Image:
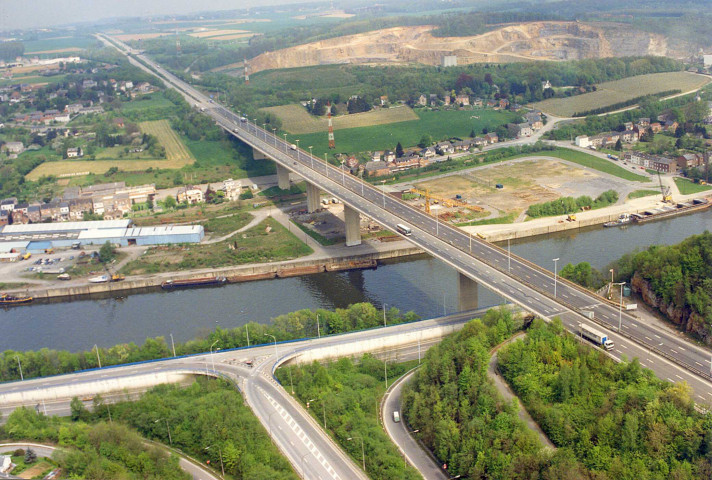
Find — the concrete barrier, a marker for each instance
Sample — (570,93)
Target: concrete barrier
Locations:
(93,387)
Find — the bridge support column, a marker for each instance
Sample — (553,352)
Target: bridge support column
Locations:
(282,177)
(313,198)
(467,292)
(353,226)
(257,155)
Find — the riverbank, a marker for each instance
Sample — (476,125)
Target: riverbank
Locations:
(338,259)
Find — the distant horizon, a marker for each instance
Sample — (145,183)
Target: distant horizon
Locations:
(30,14)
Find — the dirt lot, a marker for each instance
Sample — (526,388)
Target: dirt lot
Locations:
(525,183)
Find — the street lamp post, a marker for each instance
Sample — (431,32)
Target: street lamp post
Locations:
(326,164)
(274,136)
(384,314)
(620,306)
(248,335)
(363,455)
(318,329)
(97,355)
(297,140)
(212,358)
(383,190)
(173,345)
(275,342)
(311,156)
(222,467)
(22,377)
(385,372)
(170,439)
(343,174)
(285,142)
(555,260)
(264,127)
(509,257)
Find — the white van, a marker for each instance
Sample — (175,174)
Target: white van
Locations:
(396,416)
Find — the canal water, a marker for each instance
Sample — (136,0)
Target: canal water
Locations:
(422,284)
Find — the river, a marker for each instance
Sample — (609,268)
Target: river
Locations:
(422,284)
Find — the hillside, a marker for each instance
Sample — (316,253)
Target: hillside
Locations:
(511,43)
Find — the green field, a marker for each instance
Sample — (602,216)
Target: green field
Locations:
(586,160)
(439,125)
(155,100)
(687,187)
(610,93)
(642,193)
(32,79)
(58,44)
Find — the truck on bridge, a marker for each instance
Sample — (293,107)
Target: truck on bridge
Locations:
(596,337)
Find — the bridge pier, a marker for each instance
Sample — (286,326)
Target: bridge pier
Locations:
(313,197)
(282,177)
(353,226)
(257,155)
(467,293)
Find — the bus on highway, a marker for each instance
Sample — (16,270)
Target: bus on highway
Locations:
(403,229)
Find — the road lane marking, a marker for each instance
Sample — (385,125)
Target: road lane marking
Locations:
(672,350)
(656,336)
(648,338)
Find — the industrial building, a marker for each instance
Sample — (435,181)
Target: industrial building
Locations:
(38,237)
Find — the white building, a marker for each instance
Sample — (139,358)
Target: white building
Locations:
(582,141)
(232,189)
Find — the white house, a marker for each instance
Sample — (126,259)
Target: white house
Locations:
(582,141)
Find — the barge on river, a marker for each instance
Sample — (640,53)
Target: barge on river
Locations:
(671,210)
(193,283)
(10,300)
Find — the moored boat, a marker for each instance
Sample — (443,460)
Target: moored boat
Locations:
(193,283)
(8,300)
(99,279)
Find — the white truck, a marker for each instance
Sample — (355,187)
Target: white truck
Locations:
(596,337)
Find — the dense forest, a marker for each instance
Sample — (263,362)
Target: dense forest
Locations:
(294,325)
(609,420)
(94,450)
(618,419)
(346,395)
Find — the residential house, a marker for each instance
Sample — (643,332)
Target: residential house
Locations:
(34,214)
(351,162)
(78,206)
(519,130)
(434,100)
(89,110)
(491,138)
(665,165)
(582,141)
(74,152)
(515,107)
(64,210)
(479,142)
(423,100)
(444,148)
(534,119)
(14,147)
(376,156)
(8,204)
(232,189)
(605,140)
(62,118)
(689,160)
(406,162)
(644,122)
(50,211)
(89,83)
(21,207)
(628,125)
(629,136)
(463,100)
(446,100)
(654,162)
(503,103)
(492,103)
(670,126)
(73,108)
(19,217)
(384,100)
(190,194)
(477,102)
(656,127)
(4,218)
(428,152)
(389,156)
(376,169)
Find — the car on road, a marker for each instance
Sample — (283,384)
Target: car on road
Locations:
(396,416)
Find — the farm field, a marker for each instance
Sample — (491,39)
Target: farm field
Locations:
(610,93)
(177,156)
(58,45)
(438,124)
(296,119)
(32,79)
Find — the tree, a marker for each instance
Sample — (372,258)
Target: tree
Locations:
(399,150)
(107,252)
(77,409)
(619,145)
(30,456)
(425,141)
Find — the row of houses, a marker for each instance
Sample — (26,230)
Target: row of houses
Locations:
(230,190)
(533,122)
(653,162)
(111,200)
(607,139)
(464,100)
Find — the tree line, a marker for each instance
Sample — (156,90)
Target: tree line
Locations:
(566,205)
(294,325)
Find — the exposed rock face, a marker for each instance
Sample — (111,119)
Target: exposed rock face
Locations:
(690,321)
(511,43)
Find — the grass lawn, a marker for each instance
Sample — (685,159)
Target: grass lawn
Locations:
(589,161)
(220,226)
(687,187)
(509,218)
(153,101)
(610,93)
(439,125)
(255,245)
(642,193)
(32,79)
(194,213)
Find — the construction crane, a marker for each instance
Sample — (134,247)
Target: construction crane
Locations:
(448,202)
(665,191)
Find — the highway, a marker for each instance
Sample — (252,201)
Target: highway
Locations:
(517,280)
(312,453)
